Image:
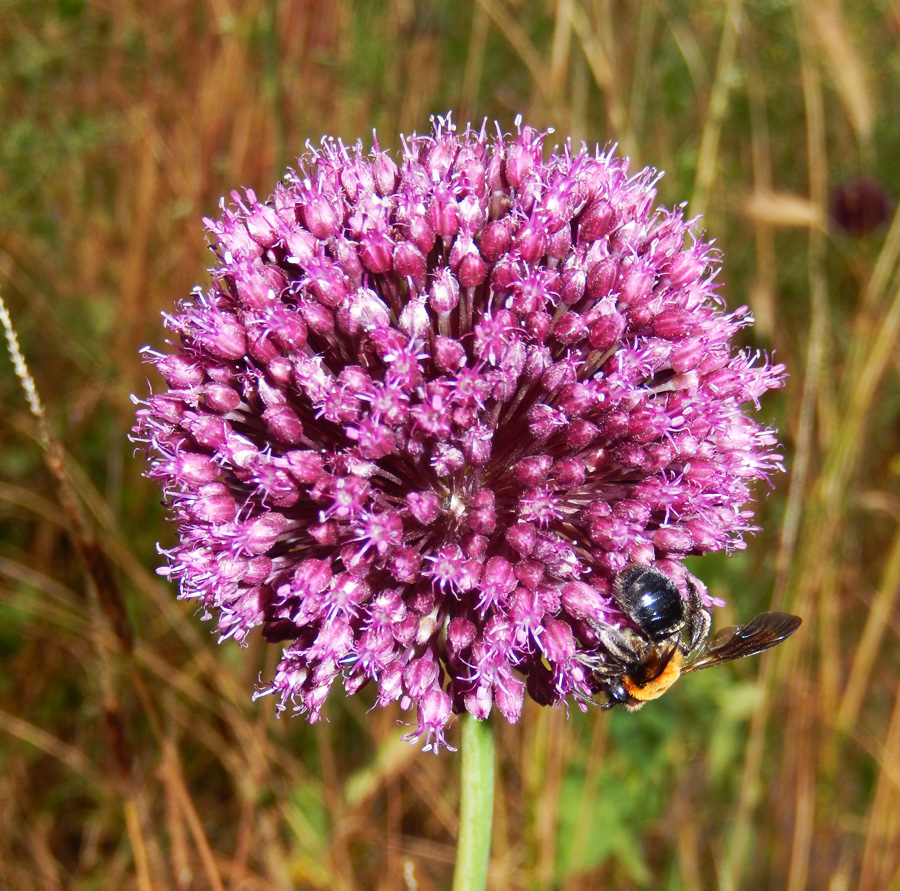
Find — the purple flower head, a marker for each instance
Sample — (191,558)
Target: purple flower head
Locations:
(430,408)
(860,206)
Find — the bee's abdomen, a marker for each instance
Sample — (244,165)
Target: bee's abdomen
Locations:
(655,688)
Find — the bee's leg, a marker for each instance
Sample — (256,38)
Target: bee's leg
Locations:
(699,621)
(604,704)
(617,643)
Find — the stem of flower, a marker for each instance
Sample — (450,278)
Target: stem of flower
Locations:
(476,807)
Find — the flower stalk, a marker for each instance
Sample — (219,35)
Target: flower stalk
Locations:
(476,804)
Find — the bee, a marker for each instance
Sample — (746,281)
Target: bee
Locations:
(670,638)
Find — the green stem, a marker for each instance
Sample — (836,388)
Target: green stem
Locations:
(476,807)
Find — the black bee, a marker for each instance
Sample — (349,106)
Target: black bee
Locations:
(670,638)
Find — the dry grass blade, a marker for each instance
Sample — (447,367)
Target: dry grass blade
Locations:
(870,642)
(519,40)
(103,584)
(561,45)
(783,209)
(844,64)
(763,298)
(597,45)
(708,157)
(40,739)
(170,771)
(881,854)
(474,63)
(751,780)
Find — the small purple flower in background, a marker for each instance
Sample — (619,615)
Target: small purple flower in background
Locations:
(860,206)
(428,411)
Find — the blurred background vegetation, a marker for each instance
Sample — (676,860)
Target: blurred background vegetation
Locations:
(147,765)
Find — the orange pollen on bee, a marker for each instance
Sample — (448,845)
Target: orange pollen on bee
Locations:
(655,688)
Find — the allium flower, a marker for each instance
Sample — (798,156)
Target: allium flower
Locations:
(860,206)
(427,411)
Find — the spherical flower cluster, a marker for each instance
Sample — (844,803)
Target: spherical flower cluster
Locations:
(428,410)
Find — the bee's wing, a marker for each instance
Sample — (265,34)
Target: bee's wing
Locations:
(766,630)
